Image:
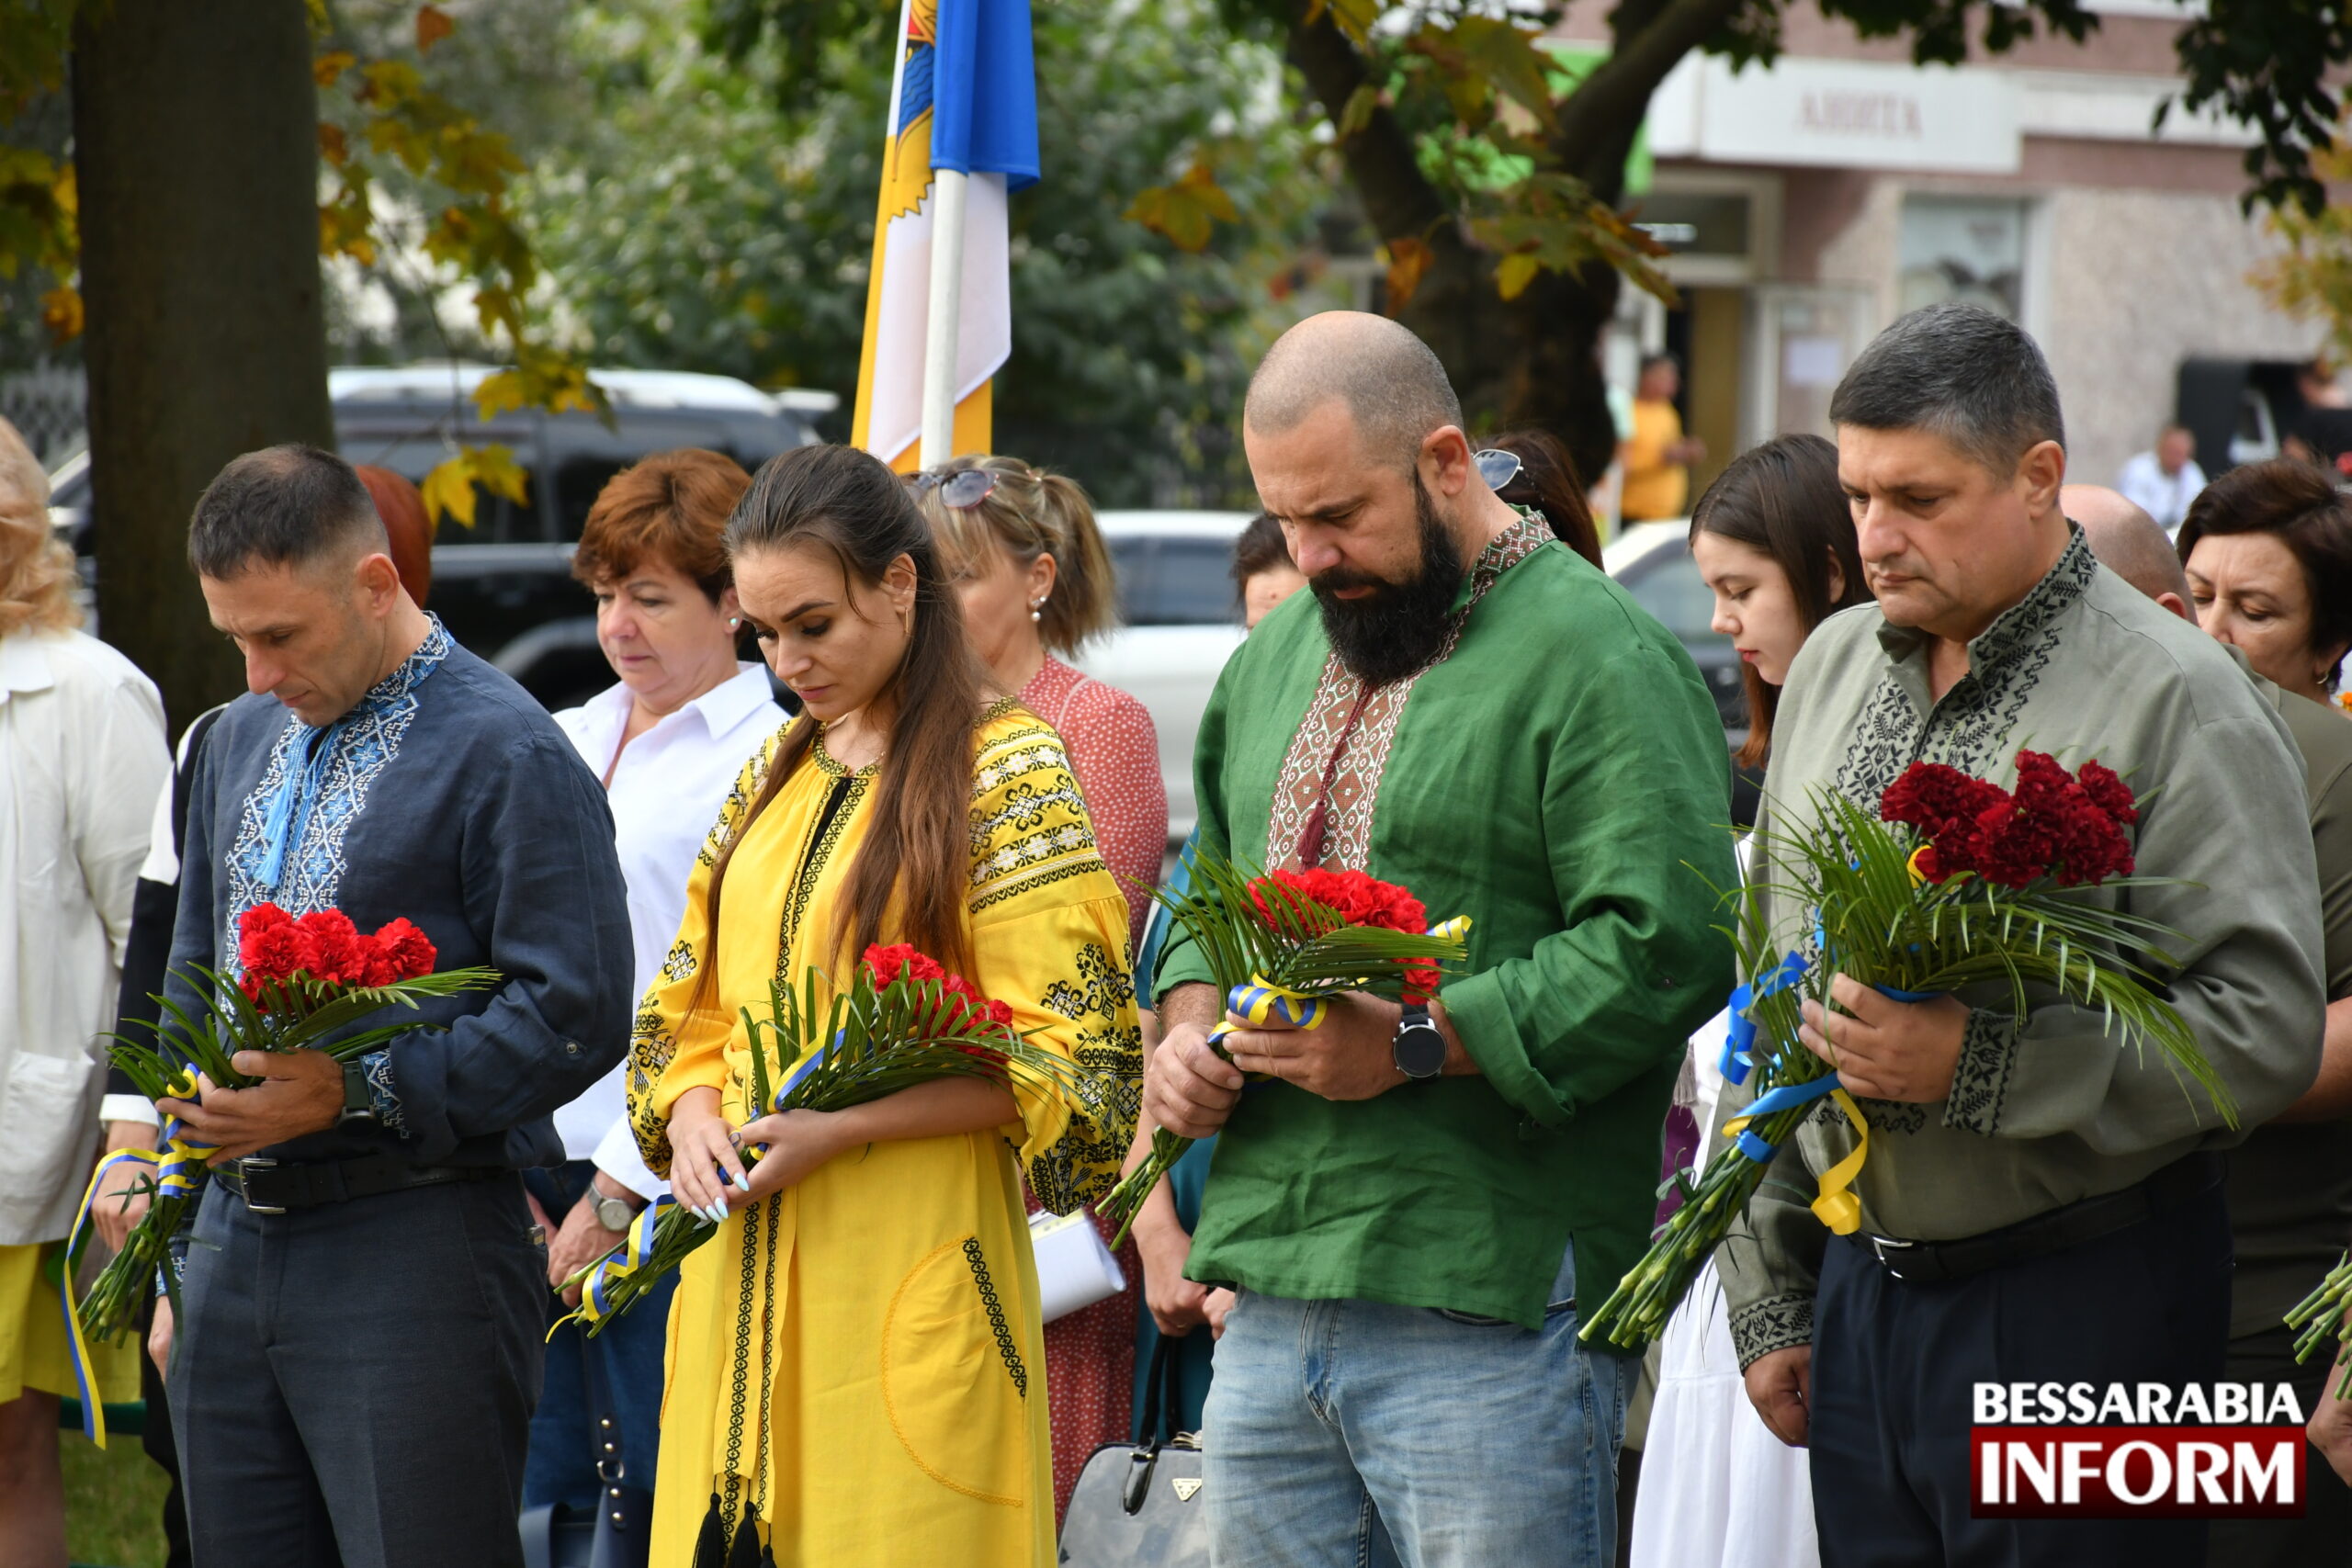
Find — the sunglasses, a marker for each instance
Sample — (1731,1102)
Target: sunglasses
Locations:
(1498,468)
(961,489)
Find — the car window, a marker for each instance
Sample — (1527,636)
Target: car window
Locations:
(1669,586)
(578,483)
(1170,580)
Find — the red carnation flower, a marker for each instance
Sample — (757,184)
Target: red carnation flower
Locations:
(1937,800)
(889,963)
(270,944)
(333,950)
(403,952)
(2109,793)
(1357,898)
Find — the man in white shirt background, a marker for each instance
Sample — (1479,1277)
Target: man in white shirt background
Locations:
(2163,482)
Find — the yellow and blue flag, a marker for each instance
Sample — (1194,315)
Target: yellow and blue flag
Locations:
(965,98)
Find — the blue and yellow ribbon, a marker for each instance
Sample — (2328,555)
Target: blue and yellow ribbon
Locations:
(1740,1039)
(634,1253)
(1836,1206)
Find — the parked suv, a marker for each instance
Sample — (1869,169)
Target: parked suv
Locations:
(504,587)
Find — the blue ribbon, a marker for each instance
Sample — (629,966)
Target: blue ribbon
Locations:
(1906,995)
(1780,1099)
(1736,1059)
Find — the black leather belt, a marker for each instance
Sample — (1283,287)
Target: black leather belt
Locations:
(269,1188)
(1926,1262)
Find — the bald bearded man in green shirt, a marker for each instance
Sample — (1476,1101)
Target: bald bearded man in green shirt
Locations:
(1413,1212)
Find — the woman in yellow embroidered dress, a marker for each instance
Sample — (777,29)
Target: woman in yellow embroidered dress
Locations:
(855,1363)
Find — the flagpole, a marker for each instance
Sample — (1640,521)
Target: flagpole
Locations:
(940,323)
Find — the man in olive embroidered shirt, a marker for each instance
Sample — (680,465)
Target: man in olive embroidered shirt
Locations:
(2041,1201)
(1412,1213)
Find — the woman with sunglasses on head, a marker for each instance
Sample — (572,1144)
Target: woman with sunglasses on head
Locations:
(1021,547)
(1531,469)
(1773,537)
(854,1356)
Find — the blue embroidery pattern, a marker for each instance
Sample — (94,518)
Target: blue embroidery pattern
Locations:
(364,743)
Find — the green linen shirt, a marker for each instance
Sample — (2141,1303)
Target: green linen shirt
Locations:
(2050,1109)
(1558,775)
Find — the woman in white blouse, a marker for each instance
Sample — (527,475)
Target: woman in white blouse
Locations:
(82,755)
(667,742)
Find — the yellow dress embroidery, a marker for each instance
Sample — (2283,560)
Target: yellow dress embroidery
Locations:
(860,1358)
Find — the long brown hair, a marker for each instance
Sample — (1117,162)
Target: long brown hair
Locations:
(1784,498)
(1547,481)
(916,854)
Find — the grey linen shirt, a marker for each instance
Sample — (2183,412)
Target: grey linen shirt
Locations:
(2051,1109)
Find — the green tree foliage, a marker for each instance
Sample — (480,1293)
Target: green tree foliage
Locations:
(715,211)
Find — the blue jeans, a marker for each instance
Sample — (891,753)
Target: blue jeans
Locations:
(561,1466)
(1476,1442)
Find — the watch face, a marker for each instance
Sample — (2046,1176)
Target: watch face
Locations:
(1421,1050)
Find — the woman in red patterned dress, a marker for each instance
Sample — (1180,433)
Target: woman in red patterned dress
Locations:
(1024,553)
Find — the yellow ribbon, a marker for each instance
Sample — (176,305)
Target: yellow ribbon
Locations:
(85,1376)
(1260,1002)
(1837,1207)
(635,1252)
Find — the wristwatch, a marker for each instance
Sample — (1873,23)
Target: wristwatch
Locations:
(1419,1048)
(357,1102)
(612,1213)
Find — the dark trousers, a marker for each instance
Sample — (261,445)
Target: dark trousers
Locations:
(155,1437)
(2323,1537)
(562,1467)
(352,1384)
(1893,1365)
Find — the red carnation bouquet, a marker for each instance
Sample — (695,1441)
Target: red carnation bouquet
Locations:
(300,983)
(903,1020)
(1953,882)
(1280,946)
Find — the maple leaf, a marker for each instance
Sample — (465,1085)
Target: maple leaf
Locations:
(1186,211)
(60,313)
(1408,260)
(1514,273)
(451,488)
(433,25)
(1353,18)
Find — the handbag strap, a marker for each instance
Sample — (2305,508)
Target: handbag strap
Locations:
(1161,1403)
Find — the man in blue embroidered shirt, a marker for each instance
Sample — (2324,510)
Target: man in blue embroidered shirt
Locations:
(364,1293)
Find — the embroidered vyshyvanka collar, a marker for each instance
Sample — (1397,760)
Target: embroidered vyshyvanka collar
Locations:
(2021,626)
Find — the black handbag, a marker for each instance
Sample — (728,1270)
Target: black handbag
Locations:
(617,1532)
(1138,1505)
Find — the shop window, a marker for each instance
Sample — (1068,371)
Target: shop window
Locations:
(1964,248)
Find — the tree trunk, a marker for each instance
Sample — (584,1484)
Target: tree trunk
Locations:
(196,150)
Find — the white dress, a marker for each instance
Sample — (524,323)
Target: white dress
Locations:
(1718,1490)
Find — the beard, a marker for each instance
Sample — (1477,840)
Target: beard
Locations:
(1398,627)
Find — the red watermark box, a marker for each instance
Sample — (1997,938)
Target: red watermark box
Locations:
(2129,1472)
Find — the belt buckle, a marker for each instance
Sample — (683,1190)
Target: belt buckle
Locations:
(245,1169)
(1880,1246)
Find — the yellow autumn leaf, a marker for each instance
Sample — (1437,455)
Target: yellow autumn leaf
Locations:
(448,491)
(1515,273)
(496,471)
(433,25)
(60,313)
(1357,112)
(328,68)
(1353,18)
(1186,211)
(502,393)
(1408,260)
(332,145)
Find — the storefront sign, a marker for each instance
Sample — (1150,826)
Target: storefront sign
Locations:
(1843,114)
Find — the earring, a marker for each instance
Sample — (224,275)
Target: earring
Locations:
(1036,609)
(734,621)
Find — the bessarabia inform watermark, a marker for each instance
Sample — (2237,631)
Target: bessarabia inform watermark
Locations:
(2048,1451)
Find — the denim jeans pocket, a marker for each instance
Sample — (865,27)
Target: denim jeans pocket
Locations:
(1471,1319)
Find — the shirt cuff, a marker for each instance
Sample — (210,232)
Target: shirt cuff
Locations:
(128,1108)
(1481,1017)
(1980,1078)
(1774,1323)
(383,1101)
(617,1158)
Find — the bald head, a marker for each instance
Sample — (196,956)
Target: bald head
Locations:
(1394,390)
(2129,543)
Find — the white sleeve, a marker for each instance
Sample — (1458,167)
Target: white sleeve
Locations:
(617,1158)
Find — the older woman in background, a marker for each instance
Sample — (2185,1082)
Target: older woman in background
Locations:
(667,742)
(82,756)
(1035,578)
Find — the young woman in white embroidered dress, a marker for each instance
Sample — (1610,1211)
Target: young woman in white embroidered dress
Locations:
(1774,540)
